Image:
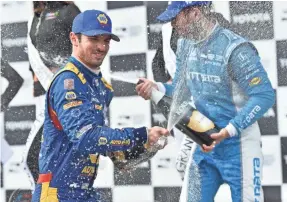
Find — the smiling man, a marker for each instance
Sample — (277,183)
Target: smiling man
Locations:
(75,133)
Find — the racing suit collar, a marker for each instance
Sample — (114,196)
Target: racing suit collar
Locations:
(209,36)
(84,69)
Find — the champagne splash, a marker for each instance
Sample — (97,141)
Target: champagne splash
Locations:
(122,78)
(180,100)
(162,140)
(177,111)
(178,107)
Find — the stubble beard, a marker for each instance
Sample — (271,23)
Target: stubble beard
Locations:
(95,65)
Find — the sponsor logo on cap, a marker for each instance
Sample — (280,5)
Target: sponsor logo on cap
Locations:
(102,19)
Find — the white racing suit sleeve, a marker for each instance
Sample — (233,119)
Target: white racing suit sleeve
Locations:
(168,54)
(40,69)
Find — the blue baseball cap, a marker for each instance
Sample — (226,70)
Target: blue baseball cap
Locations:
(93,23)
(176,6)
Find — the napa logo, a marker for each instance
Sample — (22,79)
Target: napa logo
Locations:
(102,19)
(70,95)
(102,141)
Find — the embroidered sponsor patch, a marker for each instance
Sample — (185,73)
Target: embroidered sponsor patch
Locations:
(83,130)
(99,107)
(120,142)
(70,95)
(69,84)
(50,16)
(119,155)
(88,171)
(102,141)
(255,81)
(72,104)
(94,158)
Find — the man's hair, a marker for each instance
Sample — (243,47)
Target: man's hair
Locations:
(206,10)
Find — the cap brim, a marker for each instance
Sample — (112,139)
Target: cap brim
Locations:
(168,15)
(101,32)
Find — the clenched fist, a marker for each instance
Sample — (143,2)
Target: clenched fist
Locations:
(154,134)
(144,88)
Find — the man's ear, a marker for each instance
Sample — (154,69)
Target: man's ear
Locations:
(191,13)
(74,39)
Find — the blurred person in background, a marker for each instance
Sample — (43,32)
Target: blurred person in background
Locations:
(15,81)
(49,48)
(74,132)
(223,73)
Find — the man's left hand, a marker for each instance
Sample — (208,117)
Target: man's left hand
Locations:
(218,137)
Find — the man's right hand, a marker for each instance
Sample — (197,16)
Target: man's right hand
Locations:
(155,133)
(145,87)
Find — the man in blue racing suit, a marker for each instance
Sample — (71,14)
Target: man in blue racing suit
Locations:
(223,73)
(75,133)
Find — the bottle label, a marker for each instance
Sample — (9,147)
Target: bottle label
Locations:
(200,123)
(182,108)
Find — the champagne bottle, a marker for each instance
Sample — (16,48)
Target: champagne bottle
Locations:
(194,124)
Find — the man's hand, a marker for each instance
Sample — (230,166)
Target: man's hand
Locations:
(154,134)
(218,137)
(145,87)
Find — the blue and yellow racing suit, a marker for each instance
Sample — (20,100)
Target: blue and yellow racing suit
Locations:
(75,135)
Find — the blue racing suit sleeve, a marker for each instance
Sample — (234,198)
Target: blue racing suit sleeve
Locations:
(84,123)
(168,89)
(248,72)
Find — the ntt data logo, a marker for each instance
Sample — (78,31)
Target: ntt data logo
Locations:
(252,18)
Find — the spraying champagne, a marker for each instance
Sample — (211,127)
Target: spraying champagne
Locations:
(193,123)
